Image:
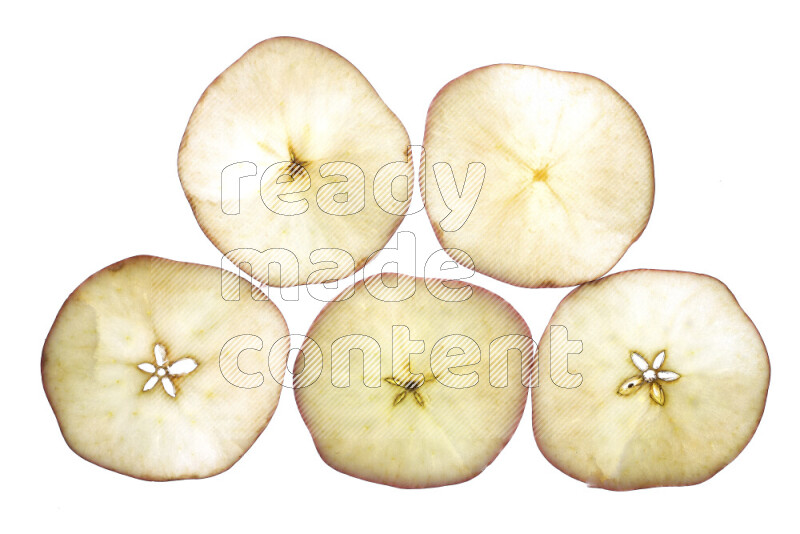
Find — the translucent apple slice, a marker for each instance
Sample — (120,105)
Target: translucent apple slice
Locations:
(543,178)
(141,362)
(673,381)
(290,157)
(435,417)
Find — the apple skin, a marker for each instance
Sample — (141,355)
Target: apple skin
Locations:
(619,486)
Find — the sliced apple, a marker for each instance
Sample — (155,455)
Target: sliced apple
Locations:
(542,178)
(290,157)
(673,381)
(141,362)
(435,417)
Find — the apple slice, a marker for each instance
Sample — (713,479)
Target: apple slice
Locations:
(673,381)
(304,123)
(415,393)
(542,178)
(140,366)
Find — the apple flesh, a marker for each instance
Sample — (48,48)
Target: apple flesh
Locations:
(290,157)
(138,369)
(384,415)
(674,378)
(540,178)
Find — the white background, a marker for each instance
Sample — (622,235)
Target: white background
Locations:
(95,100)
